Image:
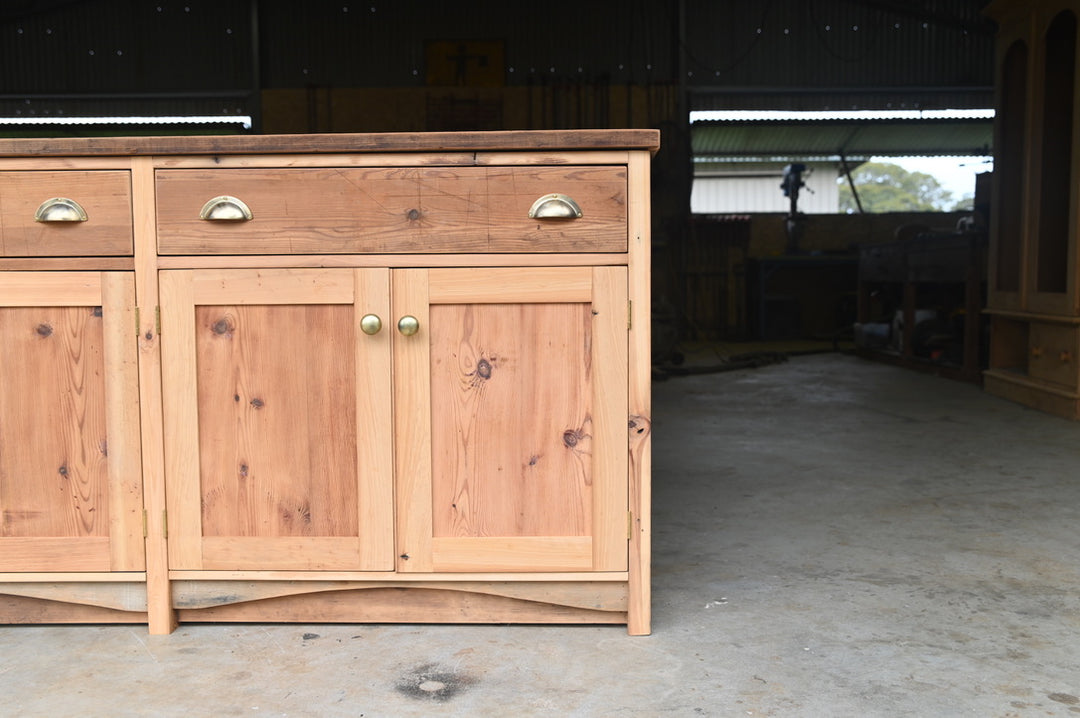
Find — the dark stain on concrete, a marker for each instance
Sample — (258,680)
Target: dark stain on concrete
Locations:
(430,682)
(1066,698)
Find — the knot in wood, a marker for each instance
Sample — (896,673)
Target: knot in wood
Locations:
(222,326)
(44,330)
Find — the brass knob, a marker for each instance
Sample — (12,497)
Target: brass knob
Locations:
(370,324)
(60,209)
(408,325)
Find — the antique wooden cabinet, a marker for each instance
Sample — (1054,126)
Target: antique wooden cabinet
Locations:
(358,378)
(1034,271)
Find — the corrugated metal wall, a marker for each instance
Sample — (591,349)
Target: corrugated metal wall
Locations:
(127,57)
(760,192)
(124,46)
(382,44)
(735,54)
(838,54)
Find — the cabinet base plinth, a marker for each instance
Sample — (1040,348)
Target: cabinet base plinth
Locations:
(398,605)
(467,602)
(1023,390)
(29,610)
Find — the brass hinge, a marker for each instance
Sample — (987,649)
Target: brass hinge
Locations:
(145,522)
(629,525)
(629,313)
(157,321)
(164,523)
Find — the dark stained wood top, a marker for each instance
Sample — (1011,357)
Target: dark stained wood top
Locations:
(529,140)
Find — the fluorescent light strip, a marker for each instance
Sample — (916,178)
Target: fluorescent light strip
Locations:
(245,120)
(765,115)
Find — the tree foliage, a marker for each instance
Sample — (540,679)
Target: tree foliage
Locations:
(885,187)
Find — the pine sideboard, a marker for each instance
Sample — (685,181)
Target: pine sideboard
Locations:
(326,378)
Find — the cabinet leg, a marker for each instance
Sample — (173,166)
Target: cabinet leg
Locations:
(160,613)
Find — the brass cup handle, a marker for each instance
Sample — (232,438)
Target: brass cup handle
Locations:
(60,209)
(225,209)
(370,324)
(408,325)
(555,206)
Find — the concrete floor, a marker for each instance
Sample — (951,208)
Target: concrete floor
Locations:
(833,537)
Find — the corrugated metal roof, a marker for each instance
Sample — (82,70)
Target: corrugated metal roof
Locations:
(852,139)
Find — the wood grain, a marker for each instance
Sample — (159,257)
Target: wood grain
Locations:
(380,159)
(179,419)
(54,479)
(608,369)
(400,605)
(105,195)
(65,264)
(639,419)
(383,260)
(161,617)
(536,140)
(412,424)
(514,450)
(561,577)
(297,553)
(435,210)
(516,553)
(39,553)
(124,453)
(25,610)
(50,289)
(510,285)
(374,425)
(600,595)
(67,397)
(283,459)
(278,286)
(277,420)
(121,596)
(512,393)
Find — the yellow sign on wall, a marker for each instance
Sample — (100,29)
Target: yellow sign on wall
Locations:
(472,63)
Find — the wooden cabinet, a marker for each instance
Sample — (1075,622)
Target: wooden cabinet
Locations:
(1034,272)
(356,378)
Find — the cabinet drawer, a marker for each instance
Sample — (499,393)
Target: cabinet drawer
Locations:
(104,196)
(392,210)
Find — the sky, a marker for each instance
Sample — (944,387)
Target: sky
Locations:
(956,174)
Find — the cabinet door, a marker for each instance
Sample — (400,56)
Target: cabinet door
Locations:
(511,410)
(277,419)
(70,466)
